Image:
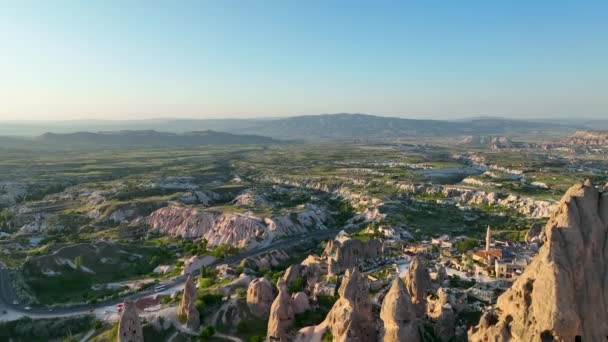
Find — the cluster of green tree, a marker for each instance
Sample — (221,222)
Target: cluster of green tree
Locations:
(466,245)
(38,191)
(27,329)
(6,217)
(224,250)
(252,329)
(342,209)
(314,317)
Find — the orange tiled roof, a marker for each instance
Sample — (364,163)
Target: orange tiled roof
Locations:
(497,253)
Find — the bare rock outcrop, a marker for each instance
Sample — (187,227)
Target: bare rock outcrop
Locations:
(398,315)
(281,314)
(536,231)
(350,252)
(260,295)
(265,261)
(129,326)
(350,319)
(418,282)
(441,312)
(240,230)
(300,302)
(187,307)
(563,294)
(588,138)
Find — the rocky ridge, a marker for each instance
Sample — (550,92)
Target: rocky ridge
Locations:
(524,205)
(241,230)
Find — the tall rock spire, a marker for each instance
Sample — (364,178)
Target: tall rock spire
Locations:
(398,315)
(351,319)
(563,294)
(187,307)
(418,282)
(129,326)
(281,314)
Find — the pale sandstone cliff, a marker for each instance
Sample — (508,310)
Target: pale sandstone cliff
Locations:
(563,294)
(232,228)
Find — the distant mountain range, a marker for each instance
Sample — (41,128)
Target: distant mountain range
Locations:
(308,127)
(134,139)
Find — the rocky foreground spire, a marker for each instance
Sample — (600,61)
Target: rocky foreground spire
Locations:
(187,307)
(281,314)
(398,315)
(418,283)
(563,294)
(350,319)
(129,326)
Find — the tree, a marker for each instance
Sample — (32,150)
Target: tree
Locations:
(466,245)
(207,333)
(78,262)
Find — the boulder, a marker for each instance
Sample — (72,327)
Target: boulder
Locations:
(398,315)
(260,295)
(300,302)
(563,294)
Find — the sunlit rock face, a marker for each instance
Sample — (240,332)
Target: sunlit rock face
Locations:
(398,315)
(563,294)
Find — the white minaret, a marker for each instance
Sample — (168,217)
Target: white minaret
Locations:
(488,238)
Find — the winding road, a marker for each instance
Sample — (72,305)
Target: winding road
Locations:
(11,309)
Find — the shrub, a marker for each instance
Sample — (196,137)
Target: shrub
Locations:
(207,333)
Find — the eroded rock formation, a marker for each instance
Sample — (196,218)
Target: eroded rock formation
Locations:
(129,326)
(398,315)
(187,307)
(349,253)
(232,228)
(350,319)
(536,231)
(281,314)
(418,282)
(563,294)
(300,302)
(588,138)
(524,205)
(260,295)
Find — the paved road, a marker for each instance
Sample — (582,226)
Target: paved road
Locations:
(8,298)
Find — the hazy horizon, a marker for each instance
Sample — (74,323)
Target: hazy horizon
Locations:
(116,60)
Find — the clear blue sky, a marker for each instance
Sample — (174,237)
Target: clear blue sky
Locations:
(439,59)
